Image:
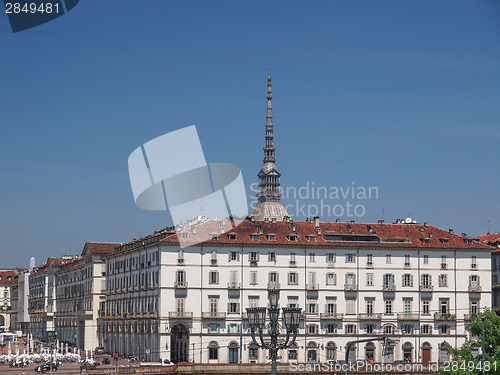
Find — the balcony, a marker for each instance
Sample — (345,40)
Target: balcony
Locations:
(412,317)
(254,262)
(331,316)
(389,287)
(293,263)
(273,285)
(350,287)
(473,266)
(426,288)
(474,288)
(213,262)
(233,285)
(371,317)
(312,286)
(180,315)
(444,317)
(213,315)
(444,266)
(469,317)
(180,285)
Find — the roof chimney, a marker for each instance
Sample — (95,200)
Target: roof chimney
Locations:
(431,235)
(450,231)
(32,262)
(381,221)
(316,221)
(426,223)
(337,220)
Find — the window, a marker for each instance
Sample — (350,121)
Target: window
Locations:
(444,329)
(389,329)
(293,278)
(388,259)
(330,258)
(292,259)
(234,256)
(213,350)
(474,281)
(292,354)
(389,281)
(234,328)
(369,328)
(233,306)
(312,258)
(443,280)
(350,328)
(331,328)
(253,351)
(369,279)
(253,256)
(255,237)
(311,238)
(331,351)
(214,304)
(331,279)
(180,257)
(293,301)
(473,307)
(407,260)
(426,259)
(425,280)
(331,306)
(350,306)
(253,278)
(271,237)
(425,307)
(312,278)
(369,306)
(292,237)
(407,306)
(312,307)
(271,257)
(474,262)
(443,262)
(407,329)
(350,280)
(369,260)
(407,279)
(213,277)
(253,301)
(232,236)
(312,328)
(273,280)
(213,327)
(180,304)
(388,306)
(444,304)
(181,277)
(349,258)
(425,329)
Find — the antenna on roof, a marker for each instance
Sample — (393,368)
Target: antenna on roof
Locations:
(382,213)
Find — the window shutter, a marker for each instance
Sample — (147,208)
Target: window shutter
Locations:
(258,256)
(403,280)
(346,258)
(478,283)
(334,279)
(354,279)
(411,280)
(326,282)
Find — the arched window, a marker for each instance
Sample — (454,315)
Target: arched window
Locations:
(312,354)
(331,351)
(253,351)
(213,350)
(443,353)
(408,351)
(369,351)
(233,352)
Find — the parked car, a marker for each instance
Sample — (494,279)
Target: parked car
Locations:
(45,368)
(100,350)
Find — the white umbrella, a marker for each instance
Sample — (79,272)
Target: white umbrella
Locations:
(91,359)
(66,347)
(9,351)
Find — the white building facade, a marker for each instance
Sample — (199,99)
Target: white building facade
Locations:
(418,284)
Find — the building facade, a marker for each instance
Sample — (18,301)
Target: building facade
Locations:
(80,296)
(493,240)
(42,297)
(414,282)
(19,290)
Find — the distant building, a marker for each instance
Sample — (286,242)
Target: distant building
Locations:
(7,278)
(42,297)
(493,239)
(79,296)
(19,290)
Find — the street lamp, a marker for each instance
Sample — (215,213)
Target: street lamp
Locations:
(257,322)
(482,321)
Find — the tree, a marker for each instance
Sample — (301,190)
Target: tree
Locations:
(463,361)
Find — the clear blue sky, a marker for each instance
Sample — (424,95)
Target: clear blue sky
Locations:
(403,96)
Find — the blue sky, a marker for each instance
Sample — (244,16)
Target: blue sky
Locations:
(403,96)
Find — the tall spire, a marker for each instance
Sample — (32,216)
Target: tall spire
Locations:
(269,205)
(269,148)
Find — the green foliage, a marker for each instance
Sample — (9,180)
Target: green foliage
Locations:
(465,362)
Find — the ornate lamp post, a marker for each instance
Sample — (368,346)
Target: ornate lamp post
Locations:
(257,321)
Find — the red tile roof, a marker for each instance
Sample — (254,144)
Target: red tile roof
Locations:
(492,239)
(101,247)
(331,234)
(6,277)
